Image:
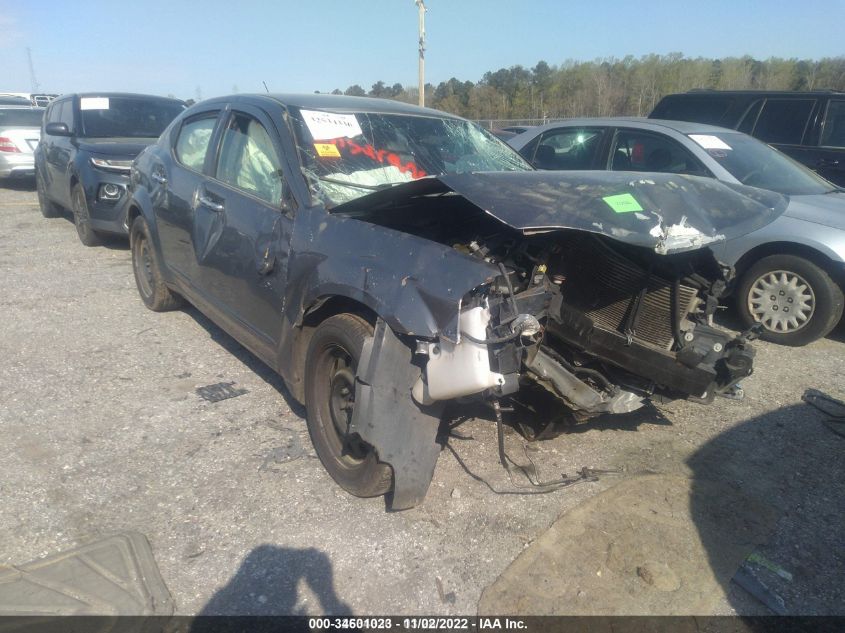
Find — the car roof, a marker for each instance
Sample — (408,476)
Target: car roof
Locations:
(10,99)
(338,103)
(116,94)
(18,108)
(656,125)
(779,93)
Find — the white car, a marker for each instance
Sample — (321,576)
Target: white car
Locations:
(20,131)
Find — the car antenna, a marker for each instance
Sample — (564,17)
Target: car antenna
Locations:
(265,87)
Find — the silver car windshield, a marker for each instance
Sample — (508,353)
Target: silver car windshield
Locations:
(755,164)
(346,155)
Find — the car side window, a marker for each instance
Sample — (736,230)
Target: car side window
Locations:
(248,160)
(193,140)
(747,124)
(53,113)
(568,148)
(634,150)
(783,120)
(833,134)
(66,114)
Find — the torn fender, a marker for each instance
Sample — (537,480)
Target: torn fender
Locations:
(667,213)
(402,432)
(414,284)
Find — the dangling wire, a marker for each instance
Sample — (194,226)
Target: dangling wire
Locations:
(530,471)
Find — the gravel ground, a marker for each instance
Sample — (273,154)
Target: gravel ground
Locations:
(102,430)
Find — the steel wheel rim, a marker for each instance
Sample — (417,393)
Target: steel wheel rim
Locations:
(782,300)
(144,268)
(340,393)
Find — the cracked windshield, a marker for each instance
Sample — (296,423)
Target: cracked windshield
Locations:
(348,155)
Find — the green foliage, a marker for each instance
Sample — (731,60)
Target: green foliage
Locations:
(610,86)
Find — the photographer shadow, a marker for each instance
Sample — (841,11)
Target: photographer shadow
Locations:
(268,582)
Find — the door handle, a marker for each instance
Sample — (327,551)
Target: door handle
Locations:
(268,263)
(208,202)
(267,266)
(158,178)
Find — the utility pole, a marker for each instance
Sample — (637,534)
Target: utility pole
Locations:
(33,82)
(421,8)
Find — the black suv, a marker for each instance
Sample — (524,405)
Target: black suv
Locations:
(88,142)
(808,126)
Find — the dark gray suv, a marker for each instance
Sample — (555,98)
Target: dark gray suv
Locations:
(808,126)
(87,145)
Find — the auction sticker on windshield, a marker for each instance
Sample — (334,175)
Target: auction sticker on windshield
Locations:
(328,125)
(708,141)
(94,103)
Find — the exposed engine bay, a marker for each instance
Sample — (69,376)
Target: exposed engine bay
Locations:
(599,323)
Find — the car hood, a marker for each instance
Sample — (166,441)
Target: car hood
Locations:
(128,147)
(665,212)
(826,209)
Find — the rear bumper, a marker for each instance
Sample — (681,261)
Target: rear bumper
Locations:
(17,165)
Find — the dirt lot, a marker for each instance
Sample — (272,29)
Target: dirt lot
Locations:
(102,430)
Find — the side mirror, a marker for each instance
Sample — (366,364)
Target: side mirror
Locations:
(57,129)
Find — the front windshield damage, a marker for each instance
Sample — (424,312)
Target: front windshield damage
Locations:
(348,155)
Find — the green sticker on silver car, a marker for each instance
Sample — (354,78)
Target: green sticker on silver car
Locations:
(623,203)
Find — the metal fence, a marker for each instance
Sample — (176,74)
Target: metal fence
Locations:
(498,124)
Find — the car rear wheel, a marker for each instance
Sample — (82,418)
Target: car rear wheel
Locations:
(154,292)
(82,218)
(330,367)
(795,300)
(49,209)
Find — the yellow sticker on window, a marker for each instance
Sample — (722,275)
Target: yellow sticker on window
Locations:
(327,150)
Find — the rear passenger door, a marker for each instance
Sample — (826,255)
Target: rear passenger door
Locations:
(175,182)
(639,150)
(242,228)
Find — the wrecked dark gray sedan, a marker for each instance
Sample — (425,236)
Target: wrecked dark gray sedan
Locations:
(386,259)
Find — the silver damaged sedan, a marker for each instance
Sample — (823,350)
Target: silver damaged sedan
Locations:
(789,274)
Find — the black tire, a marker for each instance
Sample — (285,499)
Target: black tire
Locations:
(797,285)
(82,217)
(49,209)
(145,265)
(330,366)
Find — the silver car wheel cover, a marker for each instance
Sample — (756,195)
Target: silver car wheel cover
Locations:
(782,301)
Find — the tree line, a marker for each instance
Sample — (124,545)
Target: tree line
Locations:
(610,86)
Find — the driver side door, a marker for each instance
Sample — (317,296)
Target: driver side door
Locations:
(242,227)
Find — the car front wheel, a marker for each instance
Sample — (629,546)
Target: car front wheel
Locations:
(795,300)
(330,366)
(82,218)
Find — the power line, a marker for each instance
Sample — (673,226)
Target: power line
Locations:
(36,87)
(421,71)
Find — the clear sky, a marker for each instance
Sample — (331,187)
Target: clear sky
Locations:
(218,46)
